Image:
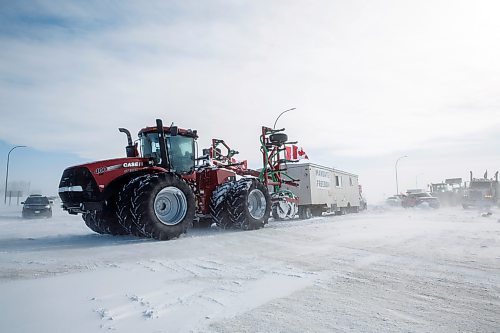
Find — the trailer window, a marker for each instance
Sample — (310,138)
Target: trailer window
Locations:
(338,181)
(350,181)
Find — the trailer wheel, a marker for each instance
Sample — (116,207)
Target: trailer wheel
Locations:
(162,206)
(250,204)
(317,211)
(219,205)
(305,212)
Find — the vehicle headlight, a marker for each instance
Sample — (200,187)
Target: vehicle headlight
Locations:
(47,206)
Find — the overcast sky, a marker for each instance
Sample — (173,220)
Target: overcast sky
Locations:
(371,80)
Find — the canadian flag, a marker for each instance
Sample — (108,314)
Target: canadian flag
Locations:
(295,153)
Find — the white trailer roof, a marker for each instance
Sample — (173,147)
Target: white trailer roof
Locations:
(323,167)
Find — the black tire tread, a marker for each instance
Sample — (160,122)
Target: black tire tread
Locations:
(124,203)
(105,221)
(219,205)
(238,208)
(135,206)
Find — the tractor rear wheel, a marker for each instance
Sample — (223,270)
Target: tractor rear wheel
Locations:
(250,204)
(219,205)
(162,206)
(203,223)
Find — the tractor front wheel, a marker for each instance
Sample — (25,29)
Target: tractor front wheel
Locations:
(162,206)
(105,221)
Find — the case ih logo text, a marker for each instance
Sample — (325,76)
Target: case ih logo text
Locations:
(132,164)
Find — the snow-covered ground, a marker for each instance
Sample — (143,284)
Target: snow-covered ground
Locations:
(380,271)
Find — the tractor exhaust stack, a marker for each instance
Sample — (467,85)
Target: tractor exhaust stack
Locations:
(131,149)
(165,163)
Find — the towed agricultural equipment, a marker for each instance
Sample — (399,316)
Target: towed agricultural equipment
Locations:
(305,189)
(273,146)
(159,192)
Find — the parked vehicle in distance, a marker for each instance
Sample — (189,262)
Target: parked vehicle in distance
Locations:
(449,192)
(395,200)
(482,192)
(418,199)
(37,206)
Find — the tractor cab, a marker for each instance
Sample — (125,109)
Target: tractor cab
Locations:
(179,148)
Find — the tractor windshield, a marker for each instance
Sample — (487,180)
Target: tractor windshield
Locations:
(480,185)
(180,150)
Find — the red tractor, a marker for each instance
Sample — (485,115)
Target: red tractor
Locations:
(159,192)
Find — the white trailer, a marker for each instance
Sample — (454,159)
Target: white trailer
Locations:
(322,189)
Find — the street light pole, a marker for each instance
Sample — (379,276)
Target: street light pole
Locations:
(274,127)
(416,180)
(7,172)
(396,168)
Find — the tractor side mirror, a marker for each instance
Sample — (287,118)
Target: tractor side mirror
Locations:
(174,130)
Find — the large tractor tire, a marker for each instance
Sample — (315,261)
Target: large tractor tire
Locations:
(92,222)
(250,204)
(124,203)
(105,221)
(203,223)
(219,205)
(161,206)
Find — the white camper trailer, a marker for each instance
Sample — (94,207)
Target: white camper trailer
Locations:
(322,189)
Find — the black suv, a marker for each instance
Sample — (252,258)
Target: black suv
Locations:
(37,205)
